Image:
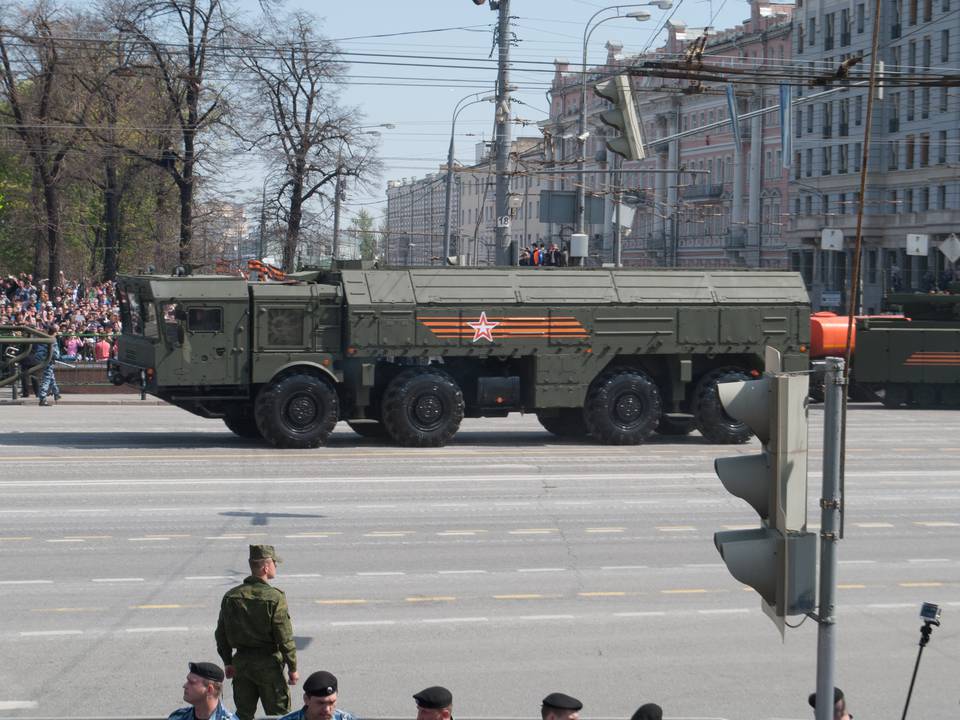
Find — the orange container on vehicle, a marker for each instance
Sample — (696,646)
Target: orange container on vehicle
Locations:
(828,333)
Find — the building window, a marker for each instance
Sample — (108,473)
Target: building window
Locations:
(942,197)
(927,10)
(894,112)
(860,17)
(946,5)
(944,94)
(827,160)
(810,119)
(892,205)
(808,205)
(828,31)
(844,27)
(925,103)
(908,201)
(845,117)
(809,163)
(796,166)
(799,39)
(912,54)
(911,102)
(927,52)
(925,150)
(912,12)
(893,157)
(858,110)
(800,121)
(897,19)
(925,198)
(842,169)
(812,32)
(942,148)
(895,59)
(857,156)
(944,46)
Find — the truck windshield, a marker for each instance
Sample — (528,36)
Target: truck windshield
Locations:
(139,316)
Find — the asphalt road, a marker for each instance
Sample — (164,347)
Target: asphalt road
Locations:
(505,566)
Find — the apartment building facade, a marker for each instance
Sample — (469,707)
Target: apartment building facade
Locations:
(912,185)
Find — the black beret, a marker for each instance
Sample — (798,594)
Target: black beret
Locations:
(837,697)
(320,684)
(207,670)
(434,698)
(650,711)
(562,702)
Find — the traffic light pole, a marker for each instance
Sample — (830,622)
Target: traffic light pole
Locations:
(830,510)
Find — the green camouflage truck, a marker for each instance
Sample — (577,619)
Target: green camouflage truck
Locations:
(407,354)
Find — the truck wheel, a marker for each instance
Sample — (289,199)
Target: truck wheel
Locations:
(422,408)
(675,427)
(622,408)
(240,421)
(712,420)
(368,428)
(297,411)
(564,422)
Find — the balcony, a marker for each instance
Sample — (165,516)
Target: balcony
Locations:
(703,192)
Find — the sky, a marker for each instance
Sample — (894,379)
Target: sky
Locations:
(418,101)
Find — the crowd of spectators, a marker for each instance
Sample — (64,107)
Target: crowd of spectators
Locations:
(84,316)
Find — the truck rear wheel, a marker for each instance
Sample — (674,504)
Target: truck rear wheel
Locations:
(564,422)
(368,428)
(240,420)
(712,420)
(622,408)
(422,408)
(297,411)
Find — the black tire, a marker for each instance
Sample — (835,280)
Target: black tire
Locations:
(240,420)
(675,427)
(622,408)
(368,428)
(422,408)
(564,422)
(297,411)
(712,420)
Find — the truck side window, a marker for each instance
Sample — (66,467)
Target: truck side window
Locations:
(205,319)
(150,325)
(170,312)
(285,327)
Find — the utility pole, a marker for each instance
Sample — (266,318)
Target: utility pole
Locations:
(338,190)
(505,253)
(263,223)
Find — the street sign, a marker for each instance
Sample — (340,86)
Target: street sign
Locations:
(830,298)
(917,244)
(831,239)
(951,248)
(503,221)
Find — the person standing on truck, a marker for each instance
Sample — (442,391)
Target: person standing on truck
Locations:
(255,639)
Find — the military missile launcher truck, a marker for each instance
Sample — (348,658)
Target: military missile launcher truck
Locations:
(407,354)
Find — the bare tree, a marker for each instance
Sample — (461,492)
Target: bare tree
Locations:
(294,110)
(34,61)
(179,42)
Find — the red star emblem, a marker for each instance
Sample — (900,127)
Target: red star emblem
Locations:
(483,328)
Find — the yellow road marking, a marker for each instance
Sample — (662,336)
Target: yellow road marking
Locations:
(533,531)
(608,593)
(353,601)
(676,528)
(607,530)
(683,591)
(431,598)
(530,596)
(920,584)
(172,606)
(851,586)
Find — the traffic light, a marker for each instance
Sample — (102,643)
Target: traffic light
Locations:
(777,559)
(623,117)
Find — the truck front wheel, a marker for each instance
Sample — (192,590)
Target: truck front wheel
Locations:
(297,411)
(240,420)
(623,408)
(422,408)
(563,422)
(712,420)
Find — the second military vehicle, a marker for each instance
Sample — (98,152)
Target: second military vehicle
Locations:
(616,355)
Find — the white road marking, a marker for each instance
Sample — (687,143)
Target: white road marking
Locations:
(302,575)
(379,574)
(211,577)
(724,611)
(348,623)
(127,579)
(44,633)
(449,505)
(149,539)
(624,567)
(18,704)
(170,628)
(67,540)
(438,621)
(545,569)
(928,560)
(375,506)
(26,582)
(888,606)
(461,572)
(543,617)
(857,562)
(641,613)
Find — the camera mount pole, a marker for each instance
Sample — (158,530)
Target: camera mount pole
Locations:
(834,391)
(925,633)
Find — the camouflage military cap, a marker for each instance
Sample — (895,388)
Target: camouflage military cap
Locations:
(264,552)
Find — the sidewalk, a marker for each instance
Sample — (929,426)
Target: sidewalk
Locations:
(70,399)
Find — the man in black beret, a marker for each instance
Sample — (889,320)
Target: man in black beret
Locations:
(557,706)
(203,690)
(839,704)
(649,711)
(320,699)
(434,703)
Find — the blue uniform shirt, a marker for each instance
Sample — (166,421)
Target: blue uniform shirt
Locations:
(186,713)
(338,714)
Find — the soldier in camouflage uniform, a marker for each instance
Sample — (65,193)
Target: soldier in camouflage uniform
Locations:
(255,639)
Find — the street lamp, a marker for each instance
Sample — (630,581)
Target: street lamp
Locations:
(447,203)
(639,16)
